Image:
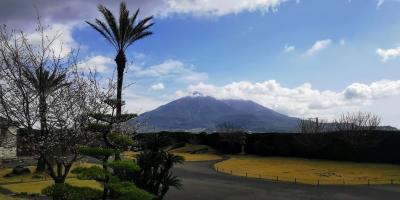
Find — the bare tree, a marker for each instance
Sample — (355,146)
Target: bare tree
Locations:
(312,125)
(49,98)
(313,133)
(358,121)
(354,128)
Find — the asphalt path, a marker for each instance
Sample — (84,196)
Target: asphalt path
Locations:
(201,181)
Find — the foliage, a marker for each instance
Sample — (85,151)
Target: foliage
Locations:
(155,175)
(48,96)
(126,190)
(121,35)
(124,141)
(119,182)
(100,128)
(124,169)
(67,192)
(96,151)
(92,173)
(111,118)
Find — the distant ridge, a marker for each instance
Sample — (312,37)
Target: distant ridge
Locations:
(199,113)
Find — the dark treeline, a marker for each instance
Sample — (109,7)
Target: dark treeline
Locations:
(374,146)
(371,146)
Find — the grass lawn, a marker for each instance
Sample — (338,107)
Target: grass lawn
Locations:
(198,157)
(188,148)
(31,185)
(310,171)
(184,152)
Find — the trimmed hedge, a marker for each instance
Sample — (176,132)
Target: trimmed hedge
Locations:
(67,192)
(375,146)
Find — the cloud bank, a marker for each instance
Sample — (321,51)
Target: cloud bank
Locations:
(301,100)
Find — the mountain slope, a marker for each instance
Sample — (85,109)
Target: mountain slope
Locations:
(199,113)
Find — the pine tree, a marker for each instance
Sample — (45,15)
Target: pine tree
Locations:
(112,140)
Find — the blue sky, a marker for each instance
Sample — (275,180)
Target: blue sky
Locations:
(304,58)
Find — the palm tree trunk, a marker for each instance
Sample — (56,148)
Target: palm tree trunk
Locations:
(41,164)
(42,113)
(120,59)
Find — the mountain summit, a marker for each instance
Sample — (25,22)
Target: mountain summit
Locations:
(203,113)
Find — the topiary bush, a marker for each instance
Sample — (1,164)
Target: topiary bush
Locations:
(61,191)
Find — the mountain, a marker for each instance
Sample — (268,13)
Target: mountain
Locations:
(204,113)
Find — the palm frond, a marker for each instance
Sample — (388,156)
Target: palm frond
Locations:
(123,24)
(138,37)
(111,23)
(124,33)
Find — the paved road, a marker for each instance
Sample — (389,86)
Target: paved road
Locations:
(201,182)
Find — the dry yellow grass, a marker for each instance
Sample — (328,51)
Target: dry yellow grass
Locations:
(184,152)
(198,157)
(32,185)
(193,147)
(129,155)
(36,187)
(28,177)
(310,171)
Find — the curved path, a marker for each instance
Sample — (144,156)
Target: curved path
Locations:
(202,182)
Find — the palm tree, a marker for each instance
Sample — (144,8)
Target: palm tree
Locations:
(156,164)
(44,83)
(121,35)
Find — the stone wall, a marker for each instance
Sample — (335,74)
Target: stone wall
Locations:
(8,144)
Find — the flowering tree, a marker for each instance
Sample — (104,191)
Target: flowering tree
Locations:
(49,98)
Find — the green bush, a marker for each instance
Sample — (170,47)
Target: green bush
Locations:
(97,151)
(128,191)
(68,192)
(92,173)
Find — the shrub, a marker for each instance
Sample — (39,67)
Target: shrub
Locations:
(128,191)
(67,192)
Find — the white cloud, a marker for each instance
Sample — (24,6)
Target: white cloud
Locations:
(318,46)
(289,48)
(157,87)
(387,54)
(172,69)
(96,63)
(58,36)
(376,90)
(219,7)
(141,103)
(303,100)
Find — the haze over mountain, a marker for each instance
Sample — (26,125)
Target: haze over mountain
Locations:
(204,113)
